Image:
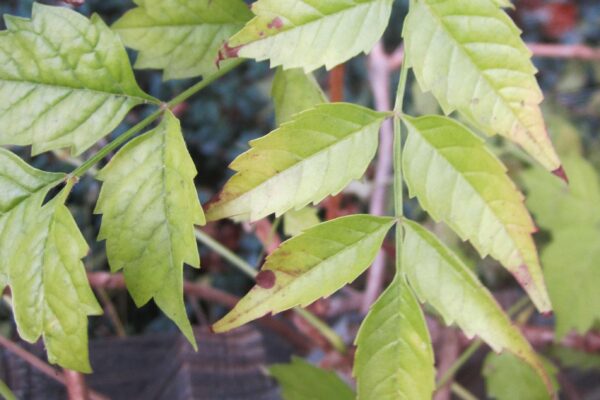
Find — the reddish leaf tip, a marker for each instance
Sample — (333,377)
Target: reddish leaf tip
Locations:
(266,279)
(548,313)
(560,172)
(227,52)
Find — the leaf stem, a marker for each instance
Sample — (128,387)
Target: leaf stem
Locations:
(461,392)
(100,155)
(333,338)
(398,182)
(6,392)
(227,254)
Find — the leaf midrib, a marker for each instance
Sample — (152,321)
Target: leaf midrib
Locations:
(140,100)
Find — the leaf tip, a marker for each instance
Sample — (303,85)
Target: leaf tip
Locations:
(560,172)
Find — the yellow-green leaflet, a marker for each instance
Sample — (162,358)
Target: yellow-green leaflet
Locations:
(509,378)
(459,181)
(183,38)
(150,206)
(41,249)
(470,55)
(293,92)
(310,33)
(309,266)
(394,358)
(300,380)
(314,155)
(441,279)
(55,63)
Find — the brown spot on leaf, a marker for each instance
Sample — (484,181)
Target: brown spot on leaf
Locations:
(560,172)
(227,52)
(277,23)
(266,279)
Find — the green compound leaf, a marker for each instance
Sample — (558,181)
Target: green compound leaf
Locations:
(394,358)
(441,279)
(458,181)
(311,265)
(65,81)
(573,277)
(307,159)
(294,91)
(310,33)
(471,57)
(508,378)
(556,205)
(301,380)
(50,291)
(150,206)
(183,38)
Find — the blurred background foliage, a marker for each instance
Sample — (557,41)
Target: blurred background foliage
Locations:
(219,121)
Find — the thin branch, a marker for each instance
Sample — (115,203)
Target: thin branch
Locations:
(379,77)
(542,50)
(41,366)
(76,387)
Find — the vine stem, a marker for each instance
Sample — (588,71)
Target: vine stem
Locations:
(192,90)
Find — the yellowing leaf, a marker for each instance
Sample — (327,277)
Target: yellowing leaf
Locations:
(394,357)
(309,266)
(573,276)
(301,380)
(508,378)
(183,38)
(294,91)
(18,182)
(470,56)
(556,205)
(65,81)
(314,155)
(458,181)
(310,33)
(150,206)
(441,279)
(50,292)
